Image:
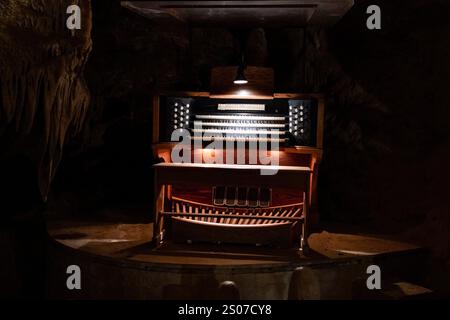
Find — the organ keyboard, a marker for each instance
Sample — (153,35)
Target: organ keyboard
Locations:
(294,120)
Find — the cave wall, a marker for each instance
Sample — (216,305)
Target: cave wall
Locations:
(43,102)
(43,95)
(408,70)
(391,110)
(388,123)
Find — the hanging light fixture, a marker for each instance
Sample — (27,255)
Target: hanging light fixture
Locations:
(240,76)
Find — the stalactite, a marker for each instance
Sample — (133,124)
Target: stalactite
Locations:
(42,90)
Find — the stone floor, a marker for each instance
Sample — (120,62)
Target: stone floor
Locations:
(119,262)
(132,242)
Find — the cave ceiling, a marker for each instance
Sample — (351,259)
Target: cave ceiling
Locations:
(245,14)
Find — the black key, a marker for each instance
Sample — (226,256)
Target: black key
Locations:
(242,196)
(253,197)
(219,195)
(230,199)
(264,197)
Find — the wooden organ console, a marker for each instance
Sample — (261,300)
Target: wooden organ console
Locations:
(226,202)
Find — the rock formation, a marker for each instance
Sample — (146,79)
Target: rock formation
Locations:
(43,95)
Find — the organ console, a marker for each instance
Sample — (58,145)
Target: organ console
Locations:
(230,199)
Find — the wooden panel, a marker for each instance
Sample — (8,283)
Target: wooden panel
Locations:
(302,159)
(158,201)
(164,147)
(259,86)
(310,151)
(320,122)
(301,96)
(283,95)
(275,234)
(210,174)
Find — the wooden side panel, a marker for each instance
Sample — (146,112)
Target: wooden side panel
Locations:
(320,122)
(155,122)
(306,222)
(209,175)
(158,223)
(315,162)
(314,212)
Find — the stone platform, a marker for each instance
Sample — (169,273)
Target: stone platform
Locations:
(118,261)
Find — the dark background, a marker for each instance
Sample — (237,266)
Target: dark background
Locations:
(386,148)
